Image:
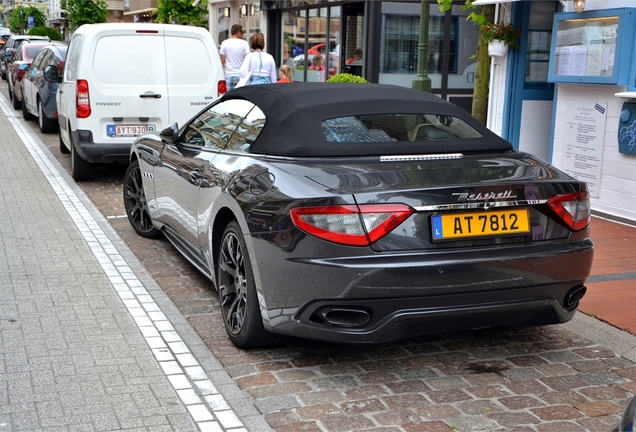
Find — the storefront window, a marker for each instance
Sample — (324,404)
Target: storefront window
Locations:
(250,18)
(307,49)
(538,46)
(452,41)
(223,24)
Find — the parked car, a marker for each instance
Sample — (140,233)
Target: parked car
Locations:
(8,51)
(110,95)
(22,59)
(361,213)
(39,87)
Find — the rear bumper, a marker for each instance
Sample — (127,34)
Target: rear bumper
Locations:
(393,319)
(97,152)
(385,297)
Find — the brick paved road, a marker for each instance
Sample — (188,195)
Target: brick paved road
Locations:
(540,379)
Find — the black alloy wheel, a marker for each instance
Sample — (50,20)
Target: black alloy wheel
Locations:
(237,291)
(25,113)
(46,125)
(136,204)
(14,99)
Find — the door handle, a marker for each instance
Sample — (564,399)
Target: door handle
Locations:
(150,95)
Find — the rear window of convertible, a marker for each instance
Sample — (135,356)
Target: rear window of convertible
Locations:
(397,127)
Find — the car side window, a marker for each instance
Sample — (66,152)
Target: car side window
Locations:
(228,124)
(38,61)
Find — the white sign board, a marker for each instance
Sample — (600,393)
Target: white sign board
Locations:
(584,137)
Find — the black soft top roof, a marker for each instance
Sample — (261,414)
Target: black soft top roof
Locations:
(294,113)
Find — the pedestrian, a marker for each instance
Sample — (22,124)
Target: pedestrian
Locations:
(259,65)
(233,52)
(285,74)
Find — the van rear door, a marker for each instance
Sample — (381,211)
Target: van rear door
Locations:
(194,72)
(128,69)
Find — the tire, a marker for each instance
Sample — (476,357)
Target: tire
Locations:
(26,114)
(63,148)
(237,292)
(46,125)
(16,103)
(81,170)
(4,72)
(135,203)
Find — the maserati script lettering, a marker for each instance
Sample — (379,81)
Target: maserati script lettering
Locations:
(465,196)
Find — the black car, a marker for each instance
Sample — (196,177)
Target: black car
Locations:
(39,87)
(9,48)
(361,213)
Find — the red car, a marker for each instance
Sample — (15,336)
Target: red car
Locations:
(24,55)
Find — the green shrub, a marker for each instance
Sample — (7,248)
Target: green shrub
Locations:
(347,78)
(53,34)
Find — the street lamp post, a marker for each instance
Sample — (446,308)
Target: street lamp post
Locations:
(422,81)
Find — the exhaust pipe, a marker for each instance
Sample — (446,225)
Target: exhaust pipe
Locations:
(574,295)
(343,317)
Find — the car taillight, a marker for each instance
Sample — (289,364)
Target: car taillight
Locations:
(83,107)
(350,225)
(573,209)
(221,88)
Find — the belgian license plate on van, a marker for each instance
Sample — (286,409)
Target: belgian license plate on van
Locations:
(128,130)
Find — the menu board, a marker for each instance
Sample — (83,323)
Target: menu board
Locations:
(586,47)
(584,138)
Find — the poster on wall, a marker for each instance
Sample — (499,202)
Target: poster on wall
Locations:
(583,138)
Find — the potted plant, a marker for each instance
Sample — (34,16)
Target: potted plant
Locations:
(500,37)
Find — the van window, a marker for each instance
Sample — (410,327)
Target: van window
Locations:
(72,58)
(189,61)
(130,60)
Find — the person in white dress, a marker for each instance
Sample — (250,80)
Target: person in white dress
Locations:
(261,64)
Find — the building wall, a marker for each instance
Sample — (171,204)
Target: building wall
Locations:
(617,188)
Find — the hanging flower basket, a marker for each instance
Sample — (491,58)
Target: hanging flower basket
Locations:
(505,33)
(497,48)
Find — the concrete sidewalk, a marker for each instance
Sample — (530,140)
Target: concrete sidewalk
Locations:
(86,341)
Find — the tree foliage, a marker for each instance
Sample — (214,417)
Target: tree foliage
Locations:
(80,12)
(182,12)
(19,18)
(46,31)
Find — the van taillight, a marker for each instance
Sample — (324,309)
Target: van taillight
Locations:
(83,100)
(221,88)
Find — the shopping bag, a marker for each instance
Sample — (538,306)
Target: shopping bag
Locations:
(245,80)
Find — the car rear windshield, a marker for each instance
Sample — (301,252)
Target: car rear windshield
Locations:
(397,127)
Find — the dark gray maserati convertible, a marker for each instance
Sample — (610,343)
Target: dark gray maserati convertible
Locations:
(361,213)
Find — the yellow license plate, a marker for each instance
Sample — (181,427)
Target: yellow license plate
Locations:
(478,224)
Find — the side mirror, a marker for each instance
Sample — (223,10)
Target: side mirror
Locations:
(170,133)
(50,74)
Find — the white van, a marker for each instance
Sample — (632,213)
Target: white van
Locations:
(123,79)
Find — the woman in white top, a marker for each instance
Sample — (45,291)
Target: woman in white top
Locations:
(261,64)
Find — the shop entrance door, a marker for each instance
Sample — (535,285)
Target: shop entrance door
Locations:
(528,125)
